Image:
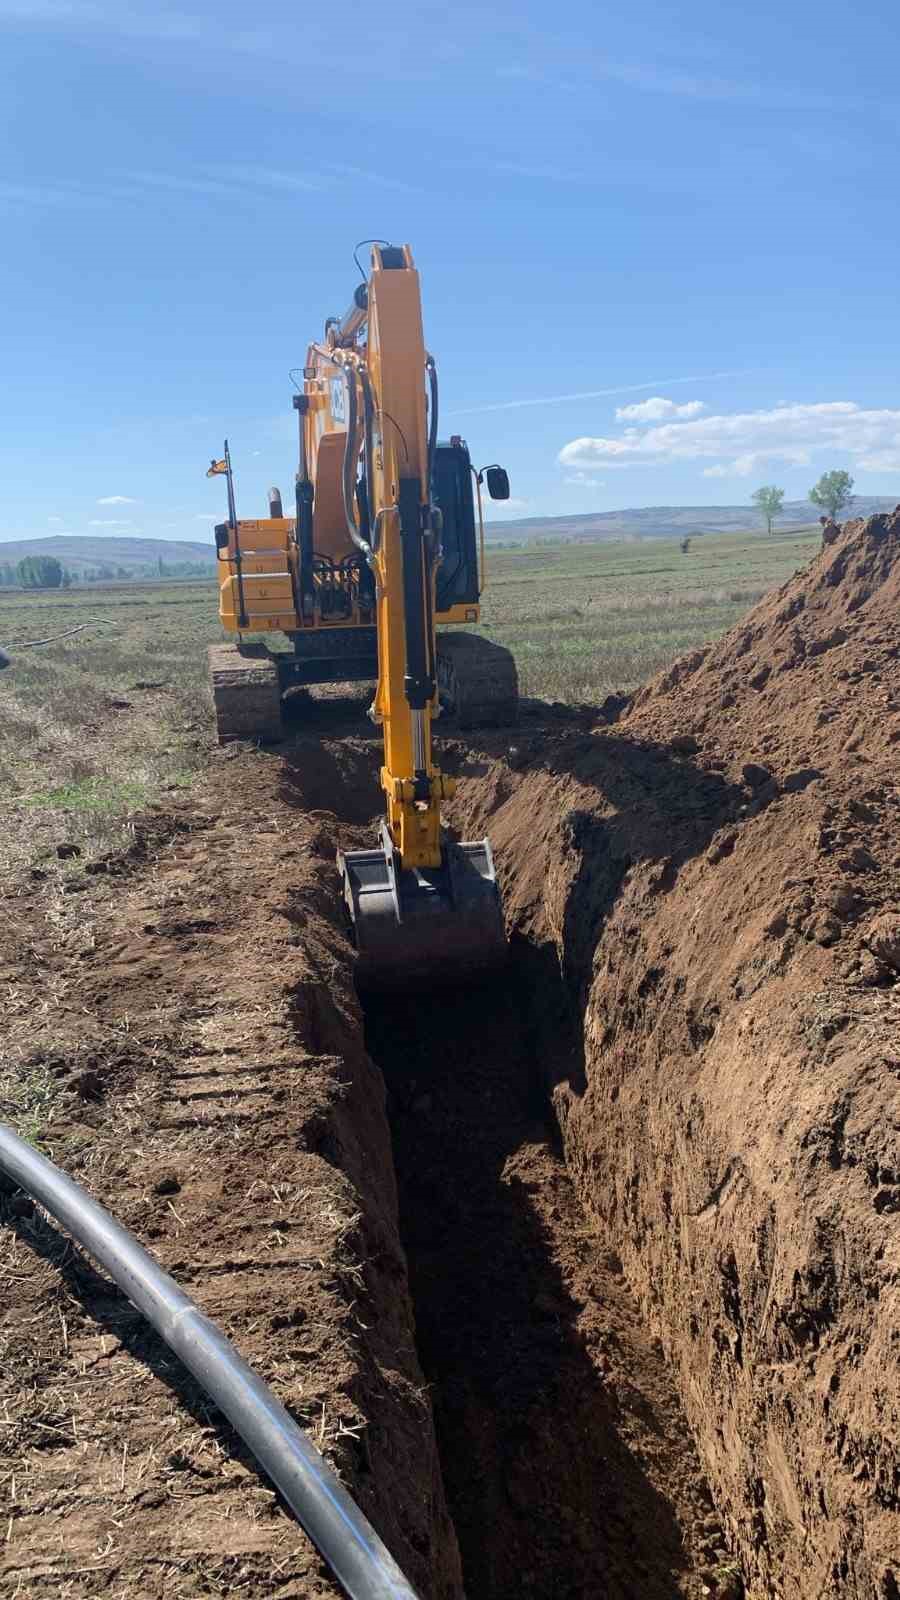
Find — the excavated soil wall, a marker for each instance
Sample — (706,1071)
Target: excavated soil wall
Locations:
(713,874)
(568,1465)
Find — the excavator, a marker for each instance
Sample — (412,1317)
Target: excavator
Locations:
(386,541)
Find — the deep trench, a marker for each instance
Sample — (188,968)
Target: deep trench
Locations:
(524,1330)
(567,1464)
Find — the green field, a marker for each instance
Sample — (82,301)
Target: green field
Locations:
(93,728)
(585,620)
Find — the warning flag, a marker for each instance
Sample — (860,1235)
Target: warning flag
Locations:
(216,468)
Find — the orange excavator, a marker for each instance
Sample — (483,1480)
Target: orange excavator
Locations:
(386,542)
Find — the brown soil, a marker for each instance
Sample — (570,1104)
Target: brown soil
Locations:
(715,876)
(649,1183)
(567,1464)
(194,1004)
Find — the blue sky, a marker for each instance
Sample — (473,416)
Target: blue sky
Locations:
(686,215)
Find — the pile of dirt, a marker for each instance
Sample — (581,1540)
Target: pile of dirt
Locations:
(715,875)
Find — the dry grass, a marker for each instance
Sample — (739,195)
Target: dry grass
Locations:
(95,727)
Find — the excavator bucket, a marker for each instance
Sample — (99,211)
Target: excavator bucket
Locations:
(437,924)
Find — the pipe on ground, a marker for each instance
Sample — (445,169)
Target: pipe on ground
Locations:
(332,1519)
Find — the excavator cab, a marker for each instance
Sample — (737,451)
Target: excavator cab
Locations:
(456,579)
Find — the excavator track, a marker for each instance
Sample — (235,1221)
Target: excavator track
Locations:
(477,680)
(246,692)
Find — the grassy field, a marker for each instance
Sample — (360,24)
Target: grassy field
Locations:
(95,727)
(585,620)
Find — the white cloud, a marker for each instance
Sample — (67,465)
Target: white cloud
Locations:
(179,182)
(499,508)
(91,15)
(654,78)
(108,522)
(206,516)
(742,466)
(656,409)
(583,480)
(42,193)
(55,520)
(592,394)
(116,500)
(744,442)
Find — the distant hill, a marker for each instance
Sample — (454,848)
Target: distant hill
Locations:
(87,552)
(78,552)
(670,522)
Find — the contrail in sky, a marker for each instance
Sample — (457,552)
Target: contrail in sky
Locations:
(595,394)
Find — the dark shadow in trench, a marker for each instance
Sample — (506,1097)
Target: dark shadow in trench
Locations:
(546,1496)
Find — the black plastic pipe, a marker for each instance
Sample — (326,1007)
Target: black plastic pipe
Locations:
(332,1519)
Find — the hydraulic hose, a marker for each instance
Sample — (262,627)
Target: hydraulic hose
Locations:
(432,418)
(332,1519)
(368,443)
(351,448)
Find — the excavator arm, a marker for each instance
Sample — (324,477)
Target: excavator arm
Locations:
(419,903)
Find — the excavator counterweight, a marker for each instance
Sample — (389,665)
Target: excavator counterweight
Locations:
(382,548)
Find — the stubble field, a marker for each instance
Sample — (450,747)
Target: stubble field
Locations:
(96,726)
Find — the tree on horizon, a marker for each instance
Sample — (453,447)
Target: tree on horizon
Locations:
(769,501)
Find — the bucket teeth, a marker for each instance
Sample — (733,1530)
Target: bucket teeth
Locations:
(435,924)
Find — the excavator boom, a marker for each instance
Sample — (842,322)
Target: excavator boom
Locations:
(421,906)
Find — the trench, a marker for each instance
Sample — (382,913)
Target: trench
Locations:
(567,1465)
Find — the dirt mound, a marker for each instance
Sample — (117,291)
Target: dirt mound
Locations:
(717,876)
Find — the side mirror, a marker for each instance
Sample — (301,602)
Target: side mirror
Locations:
(498,483)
